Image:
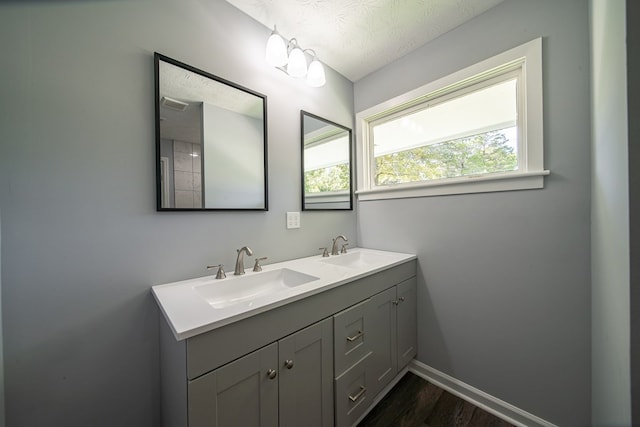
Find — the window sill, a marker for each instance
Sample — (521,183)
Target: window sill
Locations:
(327,196)
(462,185)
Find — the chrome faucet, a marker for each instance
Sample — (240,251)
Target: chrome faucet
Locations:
(334,248)
(240,260)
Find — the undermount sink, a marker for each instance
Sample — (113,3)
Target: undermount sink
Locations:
(356,259)
(245,289)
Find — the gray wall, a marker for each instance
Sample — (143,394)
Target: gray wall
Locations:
(633,99)
(609,217)
(504,278)
(82,243)
(2,411)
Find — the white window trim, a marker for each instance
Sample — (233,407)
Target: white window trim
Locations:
(531,172)
(326,196)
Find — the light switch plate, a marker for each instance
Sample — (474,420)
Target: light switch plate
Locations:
(293,219)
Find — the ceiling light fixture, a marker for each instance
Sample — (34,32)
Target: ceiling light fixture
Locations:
(288,56)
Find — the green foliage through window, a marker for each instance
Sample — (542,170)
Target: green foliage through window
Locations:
(488,152)
(334,178)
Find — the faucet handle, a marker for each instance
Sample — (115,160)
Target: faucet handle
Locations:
(344,248)
(220,274)
(325,252)
(257,266)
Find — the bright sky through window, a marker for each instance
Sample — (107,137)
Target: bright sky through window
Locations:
(484,110)
(327,154)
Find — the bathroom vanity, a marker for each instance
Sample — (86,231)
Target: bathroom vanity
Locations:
(306,342)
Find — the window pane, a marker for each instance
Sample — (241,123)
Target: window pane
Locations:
(326,166)
(328,153)
(333,178)
(471,134)
(488,152)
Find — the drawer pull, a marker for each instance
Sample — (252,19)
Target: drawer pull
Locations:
(288,364)
(355,337)
(360,393)
(271,374)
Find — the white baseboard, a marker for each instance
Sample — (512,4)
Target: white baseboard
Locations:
(493,405)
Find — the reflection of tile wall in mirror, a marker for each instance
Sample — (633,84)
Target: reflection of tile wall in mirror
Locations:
(197,158)
(187,176)
(184,180)
(184,199)
(182,162)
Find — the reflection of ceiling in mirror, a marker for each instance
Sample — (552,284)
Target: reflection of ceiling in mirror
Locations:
(189,87)
(322,135)
(317,131)
(182,125)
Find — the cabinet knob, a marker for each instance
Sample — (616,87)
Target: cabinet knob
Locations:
(271,374)
(288,364)
(397,301)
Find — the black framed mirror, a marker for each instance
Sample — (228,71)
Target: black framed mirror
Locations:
(211,141)
(326,164)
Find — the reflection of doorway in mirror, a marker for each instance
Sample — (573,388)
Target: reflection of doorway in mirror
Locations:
(187,174)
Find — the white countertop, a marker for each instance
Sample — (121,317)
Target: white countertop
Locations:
(189,313)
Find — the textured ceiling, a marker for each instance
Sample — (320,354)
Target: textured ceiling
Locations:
(357,37)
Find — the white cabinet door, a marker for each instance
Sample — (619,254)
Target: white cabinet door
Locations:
(407,322)
(306,377)
(392,317)
(241,393)
(288,383)
(382,320)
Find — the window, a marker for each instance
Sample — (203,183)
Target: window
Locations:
(326,164)
(476,130)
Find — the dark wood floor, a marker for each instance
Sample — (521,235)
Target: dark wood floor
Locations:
(416,402)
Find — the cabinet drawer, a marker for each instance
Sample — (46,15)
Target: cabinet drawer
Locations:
(352,395)
(351,336)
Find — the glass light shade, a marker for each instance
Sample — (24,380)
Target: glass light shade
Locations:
(276,54)
(297,66)
(315,75)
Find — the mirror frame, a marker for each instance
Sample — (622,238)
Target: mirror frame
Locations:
(304,114)
(159,57)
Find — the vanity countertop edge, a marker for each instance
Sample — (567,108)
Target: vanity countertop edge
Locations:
(189,315)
